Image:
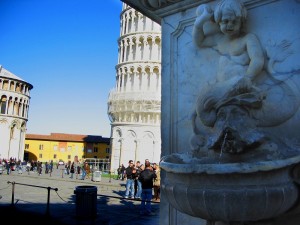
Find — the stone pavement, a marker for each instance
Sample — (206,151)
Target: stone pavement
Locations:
(30,202)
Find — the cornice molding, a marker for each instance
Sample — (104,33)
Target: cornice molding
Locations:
(157,9)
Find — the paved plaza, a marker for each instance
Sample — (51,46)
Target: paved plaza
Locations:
(59,191)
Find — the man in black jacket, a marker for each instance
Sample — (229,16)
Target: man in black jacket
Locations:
(146,177)
(130,174)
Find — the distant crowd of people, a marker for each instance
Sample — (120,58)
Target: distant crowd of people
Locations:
(81,170)
(9,164)
(13,164)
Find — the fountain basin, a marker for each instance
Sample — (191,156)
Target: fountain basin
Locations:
(232,191)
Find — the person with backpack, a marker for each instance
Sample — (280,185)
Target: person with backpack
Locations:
(147,177)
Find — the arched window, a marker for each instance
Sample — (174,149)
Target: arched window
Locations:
(5,85)
(12,130)
(3,104)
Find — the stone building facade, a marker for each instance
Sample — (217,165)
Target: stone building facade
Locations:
(64,147)
(134,105)
(14,107)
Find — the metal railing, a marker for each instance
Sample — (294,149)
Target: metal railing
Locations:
(29,185)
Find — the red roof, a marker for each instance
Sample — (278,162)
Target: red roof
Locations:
(67,137)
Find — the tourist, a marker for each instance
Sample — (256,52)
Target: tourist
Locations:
(130,174)
(51,167)
(7,166)
(68,167)
(156,183)
(122,171)
(87,170)
(137,182)
(147,177)
(77,166)
(72,170)
(83,171)
(46,168)
(119,173)
(39,167)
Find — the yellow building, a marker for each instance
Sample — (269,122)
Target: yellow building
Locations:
(64,147)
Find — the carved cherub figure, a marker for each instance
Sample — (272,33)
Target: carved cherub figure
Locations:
(241,60)
(242,57)
(242,81)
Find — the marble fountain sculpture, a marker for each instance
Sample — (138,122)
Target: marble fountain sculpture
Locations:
(244,163)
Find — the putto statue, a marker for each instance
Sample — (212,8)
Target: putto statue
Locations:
(239,111)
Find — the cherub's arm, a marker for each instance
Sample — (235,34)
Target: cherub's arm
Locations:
(256,56)
(202,29)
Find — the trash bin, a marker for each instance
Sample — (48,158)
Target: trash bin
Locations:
(86,201)
(96,176)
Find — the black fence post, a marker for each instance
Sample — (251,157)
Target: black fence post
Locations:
(13,194)
(48,201)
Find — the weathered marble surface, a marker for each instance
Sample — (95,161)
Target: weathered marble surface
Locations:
(209,95)
(237,111)
(196,71)
(240,81)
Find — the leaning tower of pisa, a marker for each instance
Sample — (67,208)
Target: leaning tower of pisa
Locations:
(134,105)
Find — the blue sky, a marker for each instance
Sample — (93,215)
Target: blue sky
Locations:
(68,50)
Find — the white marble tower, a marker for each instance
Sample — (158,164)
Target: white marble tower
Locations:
(14,106)
(134,105)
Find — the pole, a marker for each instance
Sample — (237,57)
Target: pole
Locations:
(13,193)
(48,202)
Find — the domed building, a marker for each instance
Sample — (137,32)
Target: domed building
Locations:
(134,105)
(14,106)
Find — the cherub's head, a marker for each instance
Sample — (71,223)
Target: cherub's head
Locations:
(231,16)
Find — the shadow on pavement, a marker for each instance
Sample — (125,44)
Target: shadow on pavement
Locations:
(17,216)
